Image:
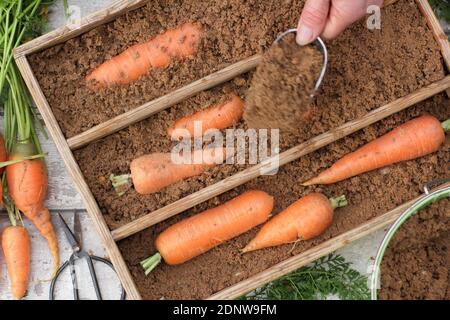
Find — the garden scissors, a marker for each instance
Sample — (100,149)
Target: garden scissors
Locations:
(79,254)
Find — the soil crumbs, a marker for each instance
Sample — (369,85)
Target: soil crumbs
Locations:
(367,68)
(369,195)
(280,93)
(416,265)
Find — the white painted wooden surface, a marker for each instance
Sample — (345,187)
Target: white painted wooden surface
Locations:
(63,198)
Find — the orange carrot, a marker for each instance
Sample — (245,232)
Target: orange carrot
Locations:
(27,185)
(3,154)
(137,60)
(16,246)
(193,236)
(219,116)
(153,172)
(411,140)
(305,219)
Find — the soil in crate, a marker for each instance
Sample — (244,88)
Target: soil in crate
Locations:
(416,265)
(366,70)
(369,195)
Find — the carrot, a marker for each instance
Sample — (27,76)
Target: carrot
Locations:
(219,116)
(305,219)
(16,246)
(27,185)
(153,172)
(137,60)
(411,140)
(194,236)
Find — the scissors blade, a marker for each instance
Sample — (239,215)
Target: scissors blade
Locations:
(69,235)
(77,228)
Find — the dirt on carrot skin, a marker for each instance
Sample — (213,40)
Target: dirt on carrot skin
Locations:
(416,265)
(369,196)
(367,69)
(280,93)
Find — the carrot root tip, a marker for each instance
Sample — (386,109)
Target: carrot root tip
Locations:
(121,183)
(151,263)
(339,202)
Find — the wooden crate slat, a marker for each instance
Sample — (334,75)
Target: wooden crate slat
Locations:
(73,168)
(315,253)
(86,24)
(146,110)
(284,158)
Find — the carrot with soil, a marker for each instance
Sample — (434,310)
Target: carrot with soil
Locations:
(196,235)
(305,219)
(16,247)
(27,185)
(137,60)
(411,140)
(220,116)
(26,174)
(153,172)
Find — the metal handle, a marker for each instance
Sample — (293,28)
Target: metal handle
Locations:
(320,44)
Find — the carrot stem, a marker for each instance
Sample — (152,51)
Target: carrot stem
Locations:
(121,183)
(151,263)
(446,125)
(339,202)
(10,162)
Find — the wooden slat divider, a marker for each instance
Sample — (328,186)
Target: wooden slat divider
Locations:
(285,157)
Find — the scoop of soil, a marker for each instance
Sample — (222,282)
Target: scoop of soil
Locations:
(417,263)
(280,94)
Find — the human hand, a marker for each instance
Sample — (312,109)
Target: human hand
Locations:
(330,17)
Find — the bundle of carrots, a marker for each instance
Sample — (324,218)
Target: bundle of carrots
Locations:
(24,182)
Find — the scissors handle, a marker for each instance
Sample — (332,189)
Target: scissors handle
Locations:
(90,265)
(73,276)
(93,275)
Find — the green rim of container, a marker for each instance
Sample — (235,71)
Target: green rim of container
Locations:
(420,204)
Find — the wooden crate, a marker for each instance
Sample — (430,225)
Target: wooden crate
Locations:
(109,238)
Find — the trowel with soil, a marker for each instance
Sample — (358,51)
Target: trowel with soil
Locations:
(285,83)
